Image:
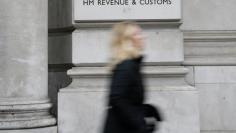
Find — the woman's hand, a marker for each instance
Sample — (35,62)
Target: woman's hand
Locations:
(150,124)
(151,111)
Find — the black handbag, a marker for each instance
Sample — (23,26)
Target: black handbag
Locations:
(152,115)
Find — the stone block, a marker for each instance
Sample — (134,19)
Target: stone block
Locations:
(215,74)
(217,106)
(59,48)
(96,40)
(214,131)
(83,110)
(209,15)
(80,111)
(59,13)
(210,48)
(36,130)
(161,46)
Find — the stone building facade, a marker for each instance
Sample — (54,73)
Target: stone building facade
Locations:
(53,76)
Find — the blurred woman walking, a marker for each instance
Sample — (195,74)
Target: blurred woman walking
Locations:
(126,109)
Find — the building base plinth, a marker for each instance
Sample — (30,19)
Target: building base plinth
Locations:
(36,130)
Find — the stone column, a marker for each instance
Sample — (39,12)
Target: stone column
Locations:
(24,99)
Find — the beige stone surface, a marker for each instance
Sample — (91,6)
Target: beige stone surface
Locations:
(84,111)
(217,106)
(161,46)
(37,130)
(209,15)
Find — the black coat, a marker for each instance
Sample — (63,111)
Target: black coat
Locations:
(125,101)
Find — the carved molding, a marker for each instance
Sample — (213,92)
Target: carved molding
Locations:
(210,47)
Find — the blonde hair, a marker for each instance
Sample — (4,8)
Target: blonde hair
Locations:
(121,43)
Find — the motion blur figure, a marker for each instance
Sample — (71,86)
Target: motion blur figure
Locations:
(126,109)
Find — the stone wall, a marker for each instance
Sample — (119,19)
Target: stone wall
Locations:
(81,105)
(210,53)
(209,34)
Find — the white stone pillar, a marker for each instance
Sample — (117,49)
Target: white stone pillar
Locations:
(24,99)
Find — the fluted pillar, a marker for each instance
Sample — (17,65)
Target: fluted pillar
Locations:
(24,99)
